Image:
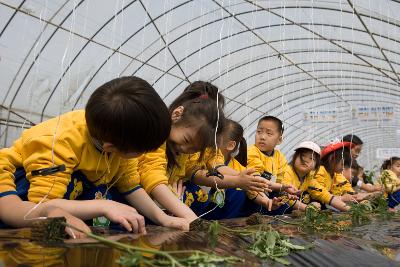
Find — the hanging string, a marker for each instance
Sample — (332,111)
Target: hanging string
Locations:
(54,139)
(248,94)
(217,103)
(200,43)
(166,37)
(121,34)
(35,68)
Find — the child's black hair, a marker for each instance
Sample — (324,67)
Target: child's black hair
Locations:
(199,100)
(349,162)
(235,133)
(277,121)
(333,158)
(352,138)
(128,113)
(387,164)
(300,153)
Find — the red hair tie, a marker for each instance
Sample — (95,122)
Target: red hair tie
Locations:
(203,96)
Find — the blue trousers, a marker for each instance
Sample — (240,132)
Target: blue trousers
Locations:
(201,202)
(79,188)
(394,199)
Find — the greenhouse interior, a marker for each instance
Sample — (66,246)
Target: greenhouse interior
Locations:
(200,133)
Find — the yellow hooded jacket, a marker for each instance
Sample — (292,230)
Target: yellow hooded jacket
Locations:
(74,148)
(235,165)
(310,185)
(275,164)
(337,186)
(389,180)
(341,185)
(153,170)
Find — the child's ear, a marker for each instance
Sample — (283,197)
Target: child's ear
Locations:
(108,147)
(177,114)
(231,145)
(280,140)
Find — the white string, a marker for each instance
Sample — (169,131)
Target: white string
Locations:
(166,39)
(200,42)
(58,120)
(216,126)
(313,127)
(216,206)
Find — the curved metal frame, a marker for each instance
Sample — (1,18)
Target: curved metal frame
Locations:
(388,84)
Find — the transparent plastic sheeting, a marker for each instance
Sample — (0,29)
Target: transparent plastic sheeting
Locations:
(326,68)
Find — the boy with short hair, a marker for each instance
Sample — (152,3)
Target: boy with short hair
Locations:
(268,162)
(85,154)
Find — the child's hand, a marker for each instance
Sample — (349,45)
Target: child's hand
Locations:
(249,182)
(277,202)
(291,189)
(178,189)
(377,187)
(316,204)
(348,198)
(72,220)
(292,197)
(265,201)
(175,222)
(361,196)
(125,215)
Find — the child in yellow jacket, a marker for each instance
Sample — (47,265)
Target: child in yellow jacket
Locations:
(189,149)
(267,161)
(301,174)
(390,180)
(226,198)
(332,163)
(85,154)
(336,182)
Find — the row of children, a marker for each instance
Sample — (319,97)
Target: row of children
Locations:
(127,154)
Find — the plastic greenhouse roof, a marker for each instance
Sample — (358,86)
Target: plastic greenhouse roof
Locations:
(326,68)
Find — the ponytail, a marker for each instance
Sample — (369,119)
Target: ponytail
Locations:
(242,156)
(199,101)
(235,133)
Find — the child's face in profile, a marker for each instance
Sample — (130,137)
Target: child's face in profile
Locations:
(396,168)
(347,173)
(268,135)
(305,162)
(355,151)
(182,138)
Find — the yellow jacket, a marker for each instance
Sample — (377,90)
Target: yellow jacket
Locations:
(324,178)
(235,165)
(73,147)
(341,185)
(275,164)
(211,158)
(309,186)
(389,180)
(153,166)
(337,186)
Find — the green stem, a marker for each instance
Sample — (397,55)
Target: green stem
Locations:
(126,247)
(286,222)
